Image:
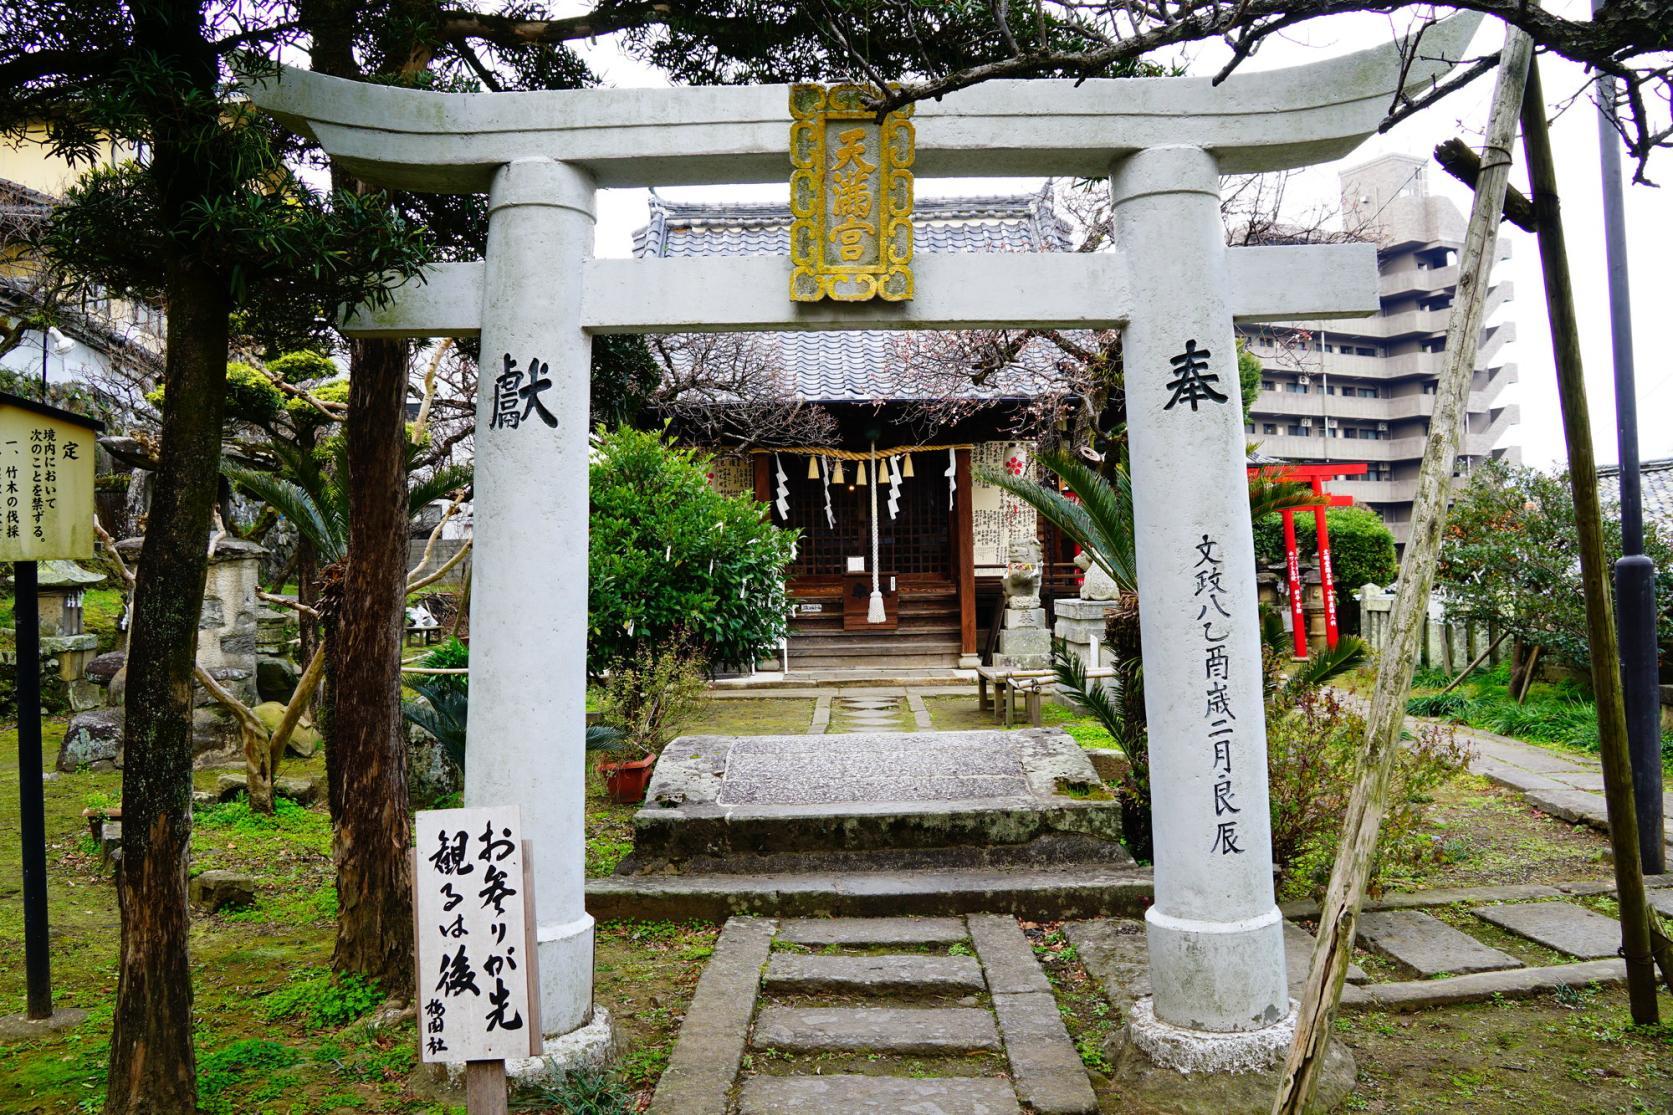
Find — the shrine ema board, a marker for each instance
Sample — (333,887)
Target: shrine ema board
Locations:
(477,981)
(46,482)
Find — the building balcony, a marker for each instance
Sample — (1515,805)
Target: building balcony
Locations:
(1421,280)
(1317,448)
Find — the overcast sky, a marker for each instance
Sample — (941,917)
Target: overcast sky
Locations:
(1649,222)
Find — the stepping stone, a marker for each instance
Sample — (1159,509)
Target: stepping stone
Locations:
(1007,957)
(1298,956)
(1558,925)
(1662,899)
(1045,1065)
(698,1080)
(886,1095)
(875,975)
(872,931)
(903,1030)
(1427,945)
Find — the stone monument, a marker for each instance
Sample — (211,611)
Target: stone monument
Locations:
(1024,639)
(1172,286)
(1081,620)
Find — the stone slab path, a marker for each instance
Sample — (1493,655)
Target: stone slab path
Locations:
(1560,926)
(1427,945)
(764,990)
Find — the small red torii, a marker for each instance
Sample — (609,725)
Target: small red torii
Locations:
(1315,476)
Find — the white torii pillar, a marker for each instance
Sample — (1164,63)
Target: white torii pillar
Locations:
(1215,934)
(529,604)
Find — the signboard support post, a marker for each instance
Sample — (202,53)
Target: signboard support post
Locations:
(485,1088)
(31,803)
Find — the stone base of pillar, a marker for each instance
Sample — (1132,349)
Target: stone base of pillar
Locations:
(1192,1072)
(1220,977)
(592,1047)
(1079,622)
(969,661)
(566,976)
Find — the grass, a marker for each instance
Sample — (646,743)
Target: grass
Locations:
(276,1034)
(1560,714)
(960,713)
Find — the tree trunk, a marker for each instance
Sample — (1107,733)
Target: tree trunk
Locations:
(151,1063)
(373,827)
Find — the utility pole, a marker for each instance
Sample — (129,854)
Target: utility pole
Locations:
(1635,573)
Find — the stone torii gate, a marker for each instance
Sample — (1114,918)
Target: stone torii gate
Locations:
(1171,285)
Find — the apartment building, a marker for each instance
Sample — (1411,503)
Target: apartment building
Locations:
(1363,389)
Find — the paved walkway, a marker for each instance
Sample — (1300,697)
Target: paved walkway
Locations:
(1562,784)
(1566,785)
(809,996)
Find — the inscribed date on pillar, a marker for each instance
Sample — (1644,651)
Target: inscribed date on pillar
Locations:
(478,990)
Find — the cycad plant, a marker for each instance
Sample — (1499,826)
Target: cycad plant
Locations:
(1100,520)
(314,499)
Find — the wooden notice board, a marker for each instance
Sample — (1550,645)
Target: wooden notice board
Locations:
(46,482)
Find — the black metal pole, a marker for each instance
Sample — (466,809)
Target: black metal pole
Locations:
(1635,573)
(26,615)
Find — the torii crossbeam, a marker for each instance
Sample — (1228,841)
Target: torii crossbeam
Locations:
(1171,284)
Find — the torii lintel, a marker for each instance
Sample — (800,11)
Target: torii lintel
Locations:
(1251,122)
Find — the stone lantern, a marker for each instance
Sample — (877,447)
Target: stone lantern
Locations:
(61,585)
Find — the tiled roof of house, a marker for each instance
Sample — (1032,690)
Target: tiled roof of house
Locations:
(1656,484)
(867,365)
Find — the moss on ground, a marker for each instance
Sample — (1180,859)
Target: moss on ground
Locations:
(960,714)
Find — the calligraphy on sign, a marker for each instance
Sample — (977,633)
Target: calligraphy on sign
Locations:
(478,988)
(46,482)
(850,197)
(517,395)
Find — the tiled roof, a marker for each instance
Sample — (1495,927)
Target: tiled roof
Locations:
(867,365)
(1655,482)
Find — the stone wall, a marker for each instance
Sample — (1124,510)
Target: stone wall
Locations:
(1450,645)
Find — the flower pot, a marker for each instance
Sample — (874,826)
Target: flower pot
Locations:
(626,782)
(96,818)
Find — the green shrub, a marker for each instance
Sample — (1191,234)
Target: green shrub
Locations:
(1361,546)
(1441,706)
(593,1092)
(671,558)
(650,699)
(1313,748)
(321,1000)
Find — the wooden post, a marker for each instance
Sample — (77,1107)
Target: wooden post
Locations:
(485,1088)
(1637,920)
(965,549)
(1339,918)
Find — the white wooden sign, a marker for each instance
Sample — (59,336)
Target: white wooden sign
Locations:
(477,981)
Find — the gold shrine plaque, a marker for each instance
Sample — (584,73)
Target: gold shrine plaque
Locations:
(46,482)
(850,197)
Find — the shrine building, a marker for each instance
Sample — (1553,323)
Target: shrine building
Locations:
(902,475)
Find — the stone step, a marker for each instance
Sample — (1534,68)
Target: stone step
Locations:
(1428,945)
(1561,926)
(800,803)
(1045,893)
(798,973)
(1298,958)
(889,1030)
(885,1095)
(818,932)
